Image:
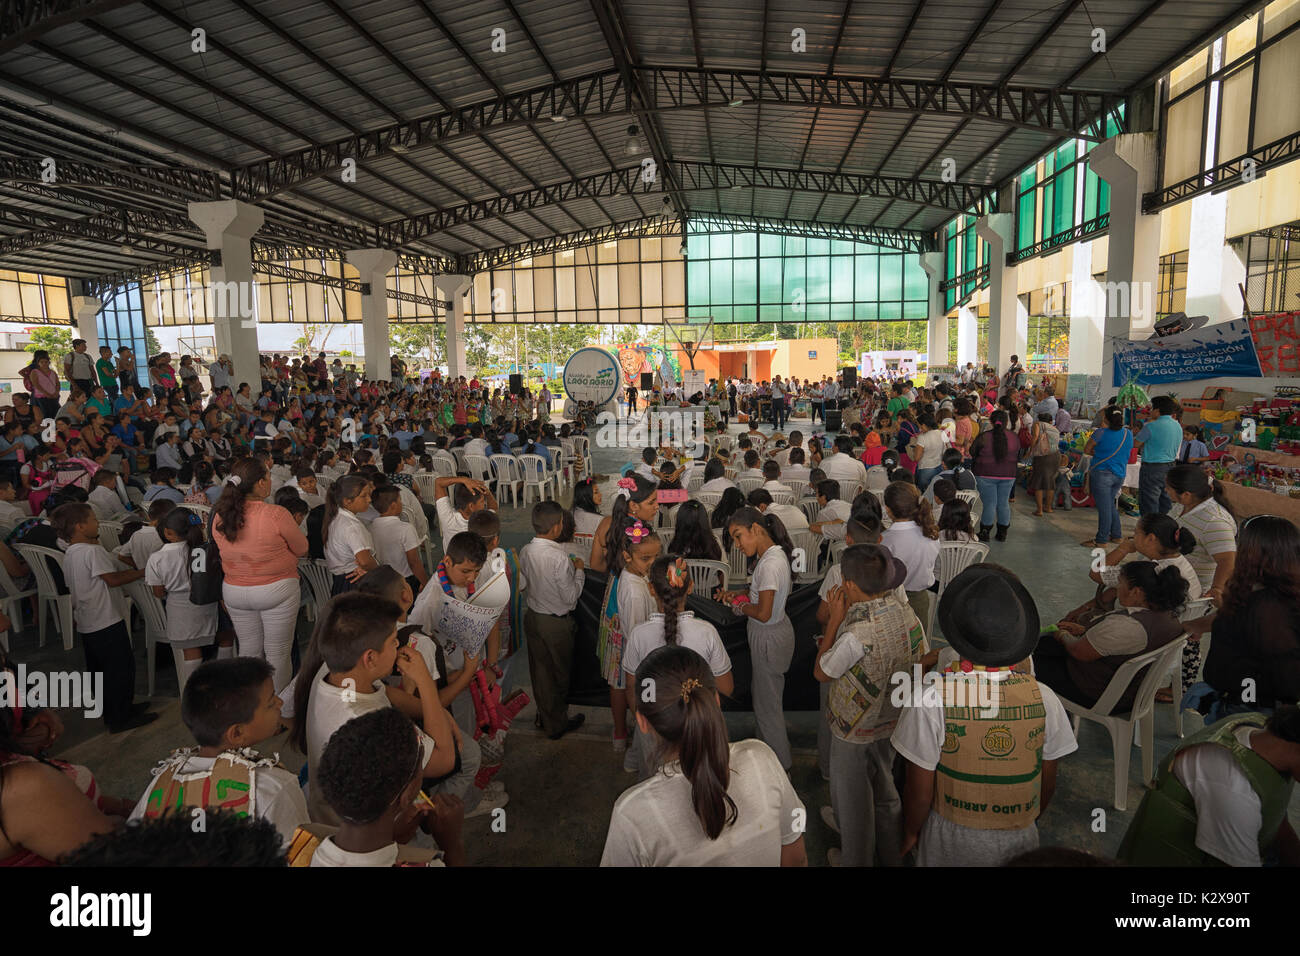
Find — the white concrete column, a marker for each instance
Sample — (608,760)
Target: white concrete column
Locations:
(231,297)
(1128,164)
(967,336)
(936,330)
(454,288)
(85,310)
(1087,313)
(1008,316)
(1214,269)
(373,266)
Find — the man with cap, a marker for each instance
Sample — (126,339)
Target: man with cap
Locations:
(982,754)
(869,637)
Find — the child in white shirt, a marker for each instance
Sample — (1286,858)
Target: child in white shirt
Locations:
(104,497)
(349,547)
(190,627)
(90,571)
(140,546)
(11,514)
(396,542)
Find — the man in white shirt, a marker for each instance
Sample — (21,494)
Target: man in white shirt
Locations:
(476,445)
(842,466)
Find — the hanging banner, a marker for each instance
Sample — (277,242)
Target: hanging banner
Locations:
(1225,349)
(1277,343)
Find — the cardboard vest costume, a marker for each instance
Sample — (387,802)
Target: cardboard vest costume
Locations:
(1163,832)
(859,707)
(990,768)
(228,786)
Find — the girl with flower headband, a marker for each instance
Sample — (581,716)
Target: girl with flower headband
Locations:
(636,502)
(710,803)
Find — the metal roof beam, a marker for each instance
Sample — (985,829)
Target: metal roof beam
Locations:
(22,21)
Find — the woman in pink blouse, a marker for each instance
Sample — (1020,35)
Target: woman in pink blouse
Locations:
(42,382)
(260,545)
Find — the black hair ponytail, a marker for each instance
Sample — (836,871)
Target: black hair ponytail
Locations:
(1172,537)
(671,596)
(187,525)
(685,716)
(1165,589)
(345,489)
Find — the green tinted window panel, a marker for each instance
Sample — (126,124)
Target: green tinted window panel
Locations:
(794,246)
(1065,155)
(916,284)
(720,245)
(744,245)
(1064,219)
(866,311)
(814,246)
(744,313)
(817,312)
(1025,220)
(842,247)
(891,311)
(770,280)
(720,282)
(769,245)
(891,277)
(769,313)
(1103,197)
(866,278)
(914,310)
(796,280)
(744,277)
(842,312)
(697,281)
(722,313)
(1090,181)
(818,280)
(841,278)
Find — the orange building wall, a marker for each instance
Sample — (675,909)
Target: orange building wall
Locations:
(791,358)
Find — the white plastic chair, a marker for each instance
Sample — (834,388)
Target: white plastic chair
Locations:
(47,592)
(135,494)
(154,614)
(737,563)
(536,478)
(479,468)
(782,497)
(666,534)
(954,558)
(709,499)
(747,485)
(694,481)
(509,477)
(582,451)
(706,576)
(809,507)
(12,598)
(811,545)
(426,482)
(444,466)
(462,467)
(836,549)
(970,497)
(110,535)
(318,581)
(797,486)
(1140,720)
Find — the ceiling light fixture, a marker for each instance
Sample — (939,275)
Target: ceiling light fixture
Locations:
(633,145)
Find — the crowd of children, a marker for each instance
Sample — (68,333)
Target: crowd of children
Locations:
(388,701)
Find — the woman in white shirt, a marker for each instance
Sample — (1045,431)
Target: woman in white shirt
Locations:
(710,803)
(349,548)
(190,627)
(927,449)
(771,635)
(913,538)
(715,477)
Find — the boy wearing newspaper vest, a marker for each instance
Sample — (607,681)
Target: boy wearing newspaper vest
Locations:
(982,753)
(869,637)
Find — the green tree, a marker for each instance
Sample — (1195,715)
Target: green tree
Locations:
(55,339)
(151,342)
(426,341)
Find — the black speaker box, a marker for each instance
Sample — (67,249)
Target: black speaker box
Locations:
(516,384)
(647,381)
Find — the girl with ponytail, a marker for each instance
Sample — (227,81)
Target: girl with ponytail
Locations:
(994,455)
(349,547)
(771,635)
(913,538)
(626,537)
(190,628)
(710,802)
(672,626)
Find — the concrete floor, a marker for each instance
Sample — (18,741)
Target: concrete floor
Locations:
(561,793)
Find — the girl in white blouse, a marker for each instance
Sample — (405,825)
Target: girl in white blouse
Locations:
(190,627)
(349,548)
(771,635)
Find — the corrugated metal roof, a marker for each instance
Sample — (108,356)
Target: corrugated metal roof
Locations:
(280,76)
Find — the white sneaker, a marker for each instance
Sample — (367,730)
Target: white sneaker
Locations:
(495,786)
(491,801)
(631,761)
(828,818)
(620,744)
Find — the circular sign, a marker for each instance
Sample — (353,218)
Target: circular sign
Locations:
(592,375)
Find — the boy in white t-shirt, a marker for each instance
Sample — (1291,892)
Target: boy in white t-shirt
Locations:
(229,706)
(136,550)
(396,542)
(455,507)
(90,571)
(11,514)
(104,498)
(377,819)
(353,650)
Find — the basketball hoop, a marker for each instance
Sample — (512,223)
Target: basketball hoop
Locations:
(697,334)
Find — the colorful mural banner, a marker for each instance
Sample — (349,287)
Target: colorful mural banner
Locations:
(1277,344)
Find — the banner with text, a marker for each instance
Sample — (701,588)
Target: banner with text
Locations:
(1225,349)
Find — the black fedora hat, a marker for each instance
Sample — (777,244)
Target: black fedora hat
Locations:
(989,617)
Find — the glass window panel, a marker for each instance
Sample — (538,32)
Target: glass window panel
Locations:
(584,280)
(718,246)
(697,274)
(720,292)
(544,289)
(817,312)
(819,278)
(1064,201)
(866,270)
(769,245)
(817,247)
(629,284)
(770,313)
(841,311)
(56,302)
(564,292)
(674,284)
(280,302)
(745,281)
(607,291)
(891,277)
(794,246)
(11,300)
(651,284)
(769,280)
(841,278)
(607,252)
(796,280)
(651,249)
(744,245)
(316,303)
(744,313)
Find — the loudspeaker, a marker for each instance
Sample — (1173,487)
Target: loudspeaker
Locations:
(516,384)
(647,381)
(834,419)
(850,377)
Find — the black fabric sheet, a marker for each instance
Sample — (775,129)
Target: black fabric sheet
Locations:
(588,688)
